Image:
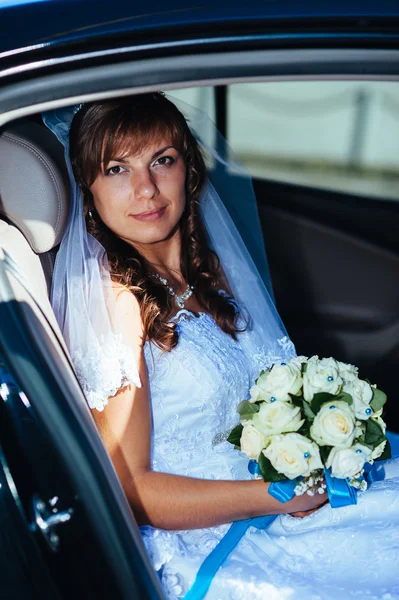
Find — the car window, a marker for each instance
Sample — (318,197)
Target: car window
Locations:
(338,135)
(200,97)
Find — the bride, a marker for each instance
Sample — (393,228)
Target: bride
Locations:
(167,336)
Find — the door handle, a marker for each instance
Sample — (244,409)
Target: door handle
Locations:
(45,520)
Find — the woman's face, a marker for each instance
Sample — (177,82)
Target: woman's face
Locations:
(141,197)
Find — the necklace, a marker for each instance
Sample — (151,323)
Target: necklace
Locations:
(188,292)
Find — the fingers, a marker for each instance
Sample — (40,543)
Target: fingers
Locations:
(299,515)
(304,513)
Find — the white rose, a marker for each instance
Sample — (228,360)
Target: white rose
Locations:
(348,372)
(298,360)
(293,455)
(282,379)
(376,453)
(321,376)
(255,393)
(252,441)
(362,394)
(348,462)
(277,417)
(334,425)
(314,358)
(360,429)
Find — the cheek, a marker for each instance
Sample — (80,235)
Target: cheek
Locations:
(173,187)
(110,203)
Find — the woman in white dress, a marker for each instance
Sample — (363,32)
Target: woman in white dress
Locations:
(142,178)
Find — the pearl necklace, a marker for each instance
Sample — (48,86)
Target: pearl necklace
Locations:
(188,292)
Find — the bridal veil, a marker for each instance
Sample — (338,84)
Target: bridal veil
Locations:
(82,296)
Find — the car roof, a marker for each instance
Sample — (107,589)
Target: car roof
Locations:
(36,23)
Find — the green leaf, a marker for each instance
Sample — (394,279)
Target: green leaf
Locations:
(344,397)
(309,414)
(267,470)
(235,435)
(324,452)
(374,435)
(362,437)
(296,400)
(305,429)
(387,452)
(379,399)
(246,410)
(319,399)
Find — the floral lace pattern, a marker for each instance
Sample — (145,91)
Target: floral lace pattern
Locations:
(104,369)
(332,554)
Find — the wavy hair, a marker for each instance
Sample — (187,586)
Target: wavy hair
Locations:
(99,131)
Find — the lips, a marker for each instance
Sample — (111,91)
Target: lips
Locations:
(151,215)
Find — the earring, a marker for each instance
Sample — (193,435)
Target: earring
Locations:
(91,213)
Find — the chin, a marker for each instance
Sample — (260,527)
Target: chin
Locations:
(155,235)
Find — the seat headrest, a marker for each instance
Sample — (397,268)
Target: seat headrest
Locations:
(34,189)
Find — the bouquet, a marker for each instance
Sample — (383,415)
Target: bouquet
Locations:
(309,420)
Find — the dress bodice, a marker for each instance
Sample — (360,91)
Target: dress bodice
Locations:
(195,390)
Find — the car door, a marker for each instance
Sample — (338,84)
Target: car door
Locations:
(325,162)
(67,531)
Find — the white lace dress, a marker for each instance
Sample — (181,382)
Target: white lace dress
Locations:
(349,552)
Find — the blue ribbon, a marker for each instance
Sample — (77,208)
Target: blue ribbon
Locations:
(373,473)
(340,493)
(282,491)
(216,558)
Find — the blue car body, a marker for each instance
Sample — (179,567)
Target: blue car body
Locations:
(51,26)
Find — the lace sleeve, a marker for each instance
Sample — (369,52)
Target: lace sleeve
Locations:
(104,369)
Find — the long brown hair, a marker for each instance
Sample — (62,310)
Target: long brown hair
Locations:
(98,131)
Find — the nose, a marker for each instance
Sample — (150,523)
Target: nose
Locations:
(145,187)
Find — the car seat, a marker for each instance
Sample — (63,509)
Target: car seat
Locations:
(33,209)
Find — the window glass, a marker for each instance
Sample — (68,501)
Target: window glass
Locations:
(200,97)
(339,135)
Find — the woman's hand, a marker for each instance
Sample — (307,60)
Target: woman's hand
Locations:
(304,513)
(316,502)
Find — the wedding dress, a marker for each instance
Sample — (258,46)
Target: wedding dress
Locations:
(342,553)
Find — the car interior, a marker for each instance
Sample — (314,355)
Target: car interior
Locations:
(333,256)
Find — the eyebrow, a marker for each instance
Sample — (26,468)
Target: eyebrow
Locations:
(157,153)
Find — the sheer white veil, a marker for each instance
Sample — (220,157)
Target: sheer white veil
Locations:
(82,296)
(230,214)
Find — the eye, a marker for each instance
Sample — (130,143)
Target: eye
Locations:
(115,170)
(164,161)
